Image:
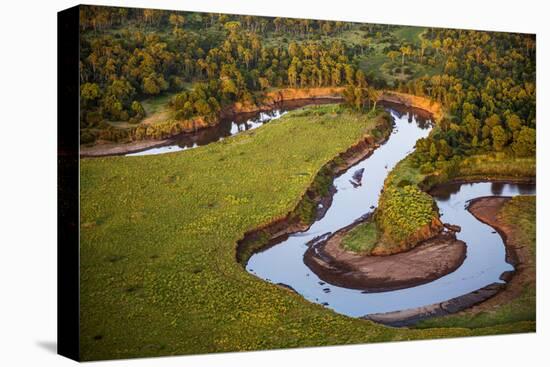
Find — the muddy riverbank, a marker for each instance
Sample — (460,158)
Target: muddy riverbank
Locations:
(412,101)
(426,262)
(486,210)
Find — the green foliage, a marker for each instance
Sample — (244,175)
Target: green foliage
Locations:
(402,212)
(499,137)
(121,62)
(490,93)
(138,112)
(525,142)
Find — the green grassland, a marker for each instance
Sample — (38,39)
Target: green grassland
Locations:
(410,34)
(520,214)
(156,104)
(362,238)
(159,274)
(497,165)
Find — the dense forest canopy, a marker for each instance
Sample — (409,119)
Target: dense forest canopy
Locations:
(205,62)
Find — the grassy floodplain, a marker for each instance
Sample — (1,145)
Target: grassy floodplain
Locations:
(158,256)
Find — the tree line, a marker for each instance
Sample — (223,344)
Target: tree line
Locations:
(485,80)
(208,70)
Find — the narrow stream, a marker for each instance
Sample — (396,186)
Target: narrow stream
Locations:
(485,260)
(230,126)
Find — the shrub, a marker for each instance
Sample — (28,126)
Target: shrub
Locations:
(405,210)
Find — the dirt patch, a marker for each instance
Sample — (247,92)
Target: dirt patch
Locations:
(108,149)
(428,261)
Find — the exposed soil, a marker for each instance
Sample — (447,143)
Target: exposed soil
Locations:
(108,149)
(272,99)
(485,209)
(411,100)
(426,262)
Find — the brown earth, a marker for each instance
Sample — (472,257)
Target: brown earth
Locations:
(272,98)
(102,149)
(428,261)
(410,100)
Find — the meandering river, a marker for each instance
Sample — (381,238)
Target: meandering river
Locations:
(486,256)
(283,263)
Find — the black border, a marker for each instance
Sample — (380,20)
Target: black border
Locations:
(68,246)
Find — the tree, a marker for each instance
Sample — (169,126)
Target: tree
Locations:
(424,44)
(229,88)
(202,107)
(360,79)
(154,84)
(513,122)
(499,138)
(405,51)
(89,92)
(292,75)
(525,143)
(177,21)
(233,28)
(393,55)
(373,96)
(433,151)
(350,74)
(137,112)
(472,125)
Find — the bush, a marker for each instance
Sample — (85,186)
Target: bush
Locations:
(405,210)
